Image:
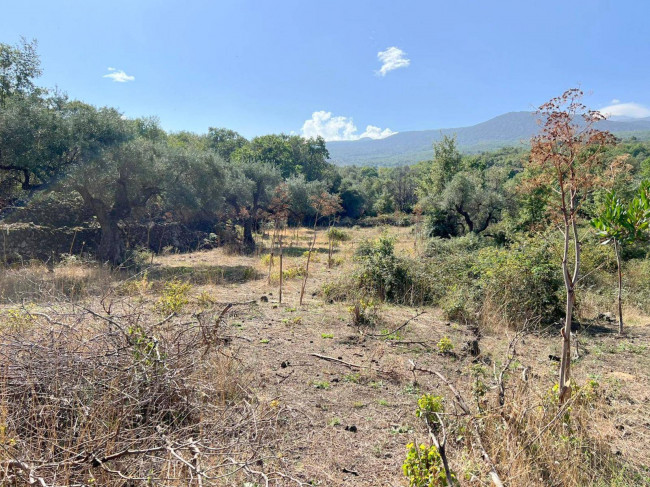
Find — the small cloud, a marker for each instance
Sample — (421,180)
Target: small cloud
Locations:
(373,132)
(615,101)
(392,58)
(333,128)
(118,76)
(630,110)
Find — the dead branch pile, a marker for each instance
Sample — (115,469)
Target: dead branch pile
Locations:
(110,398)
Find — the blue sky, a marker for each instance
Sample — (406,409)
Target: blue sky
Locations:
(271,66)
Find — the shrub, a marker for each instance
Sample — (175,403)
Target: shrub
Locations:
(637,276)
(337,235)
(517,283)
(382,273)
(480,282)
(174,297)
(423,466)
(445,345)
(120,383)
(363,312)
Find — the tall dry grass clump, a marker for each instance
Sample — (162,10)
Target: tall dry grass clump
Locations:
(508,428)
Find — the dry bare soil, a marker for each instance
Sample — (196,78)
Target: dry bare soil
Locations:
(337,402)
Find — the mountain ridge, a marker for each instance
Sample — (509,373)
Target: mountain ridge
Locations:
(508,129)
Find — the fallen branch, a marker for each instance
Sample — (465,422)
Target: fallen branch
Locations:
(381,335)
(347,364)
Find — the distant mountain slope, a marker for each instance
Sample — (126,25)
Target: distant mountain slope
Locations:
(510,129)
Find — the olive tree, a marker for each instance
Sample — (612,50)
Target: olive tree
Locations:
(19,65)
(116,182)
(249,189)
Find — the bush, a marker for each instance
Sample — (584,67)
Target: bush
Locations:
(423,466)
(337,235)
(480,282)
(382,273)
(136,386)
(637,284)
(440,223)
(174,297)
(517,283)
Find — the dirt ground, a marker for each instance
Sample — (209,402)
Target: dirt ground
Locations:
(355,421)
(351,391)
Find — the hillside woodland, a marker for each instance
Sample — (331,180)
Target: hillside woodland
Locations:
(204,309)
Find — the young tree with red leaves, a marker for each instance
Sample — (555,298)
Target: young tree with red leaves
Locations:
(566,156)
(326,205)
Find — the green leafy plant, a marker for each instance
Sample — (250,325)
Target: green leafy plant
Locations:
(423,466)
(445,346)
(364,312)
(621,224)
(174,297)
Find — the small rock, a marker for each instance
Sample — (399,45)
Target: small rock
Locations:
(473,348)
(351,429)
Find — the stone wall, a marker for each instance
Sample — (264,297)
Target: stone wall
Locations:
(25,241)
(21,242)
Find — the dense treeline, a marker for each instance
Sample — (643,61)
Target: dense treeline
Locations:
(87,164)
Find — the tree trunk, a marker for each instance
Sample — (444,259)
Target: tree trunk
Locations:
(329,253)
(617,248)
(468,219)
(111,247)
(311,249)
(249,242)
(565,363)
(280,298)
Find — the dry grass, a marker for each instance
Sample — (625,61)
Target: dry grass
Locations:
(247,392)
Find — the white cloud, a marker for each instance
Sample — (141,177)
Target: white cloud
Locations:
(631,110)
(373,132)
(339,128)
(615,101)
(118,76)
(392,58)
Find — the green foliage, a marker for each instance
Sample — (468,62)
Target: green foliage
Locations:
(479,282)
(382,273)
(624,223)
(174,297)
(517,283)
(321,384)
(423,466)
(363,312)
(225,142)
(445,345)
(459,192)
(19,65)
(17,319)
(144,347)
(386,334)
(428,406)
(337,235)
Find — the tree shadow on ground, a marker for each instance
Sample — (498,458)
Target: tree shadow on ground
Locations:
(299,251)
(205,274)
